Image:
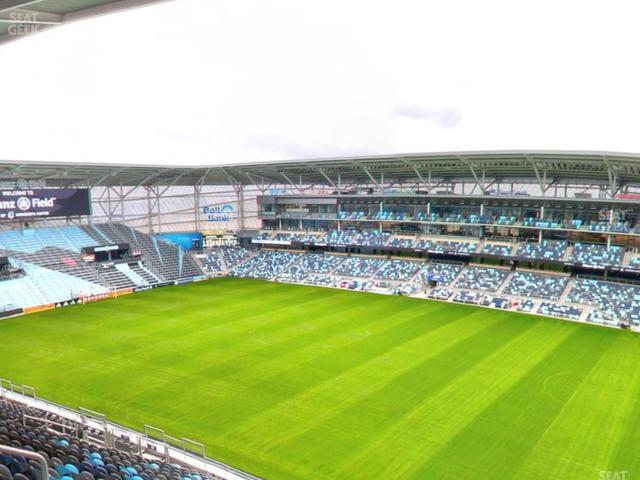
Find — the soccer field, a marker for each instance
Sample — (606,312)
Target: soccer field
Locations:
(298,382)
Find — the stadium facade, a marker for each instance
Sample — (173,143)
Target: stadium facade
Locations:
(173,198)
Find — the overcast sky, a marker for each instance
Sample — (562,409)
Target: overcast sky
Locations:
(208,81)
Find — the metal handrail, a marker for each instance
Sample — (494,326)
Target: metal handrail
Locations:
(47,423)
(30,455)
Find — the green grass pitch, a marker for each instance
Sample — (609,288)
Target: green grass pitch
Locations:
(293,382)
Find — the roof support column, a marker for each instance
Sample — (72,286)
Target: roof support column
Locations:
(196,206)
(158,208)
(149,214)
(122,195)
(109,205)
(239,190)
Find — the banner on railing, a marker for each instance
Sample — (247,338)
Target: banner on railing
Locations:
(39,308)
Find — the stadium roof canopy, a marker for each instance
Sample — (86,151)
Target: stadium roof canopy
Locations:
(19,18)
(613,170)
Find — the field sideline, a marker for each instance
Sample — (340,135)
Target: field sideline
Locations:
(294,382)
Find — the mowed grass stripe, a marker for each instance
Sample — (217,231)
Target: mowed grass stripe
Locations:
(438,418)
(164,355)
(317,404)
(349,431)
(242,379)
(510,427)
(604,442)
(269,383)
(591,442)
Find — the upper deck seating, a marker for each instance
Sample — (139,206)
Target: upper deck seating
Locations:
(506,220)
(617,227)
(444,246)
(553,250)
(351,215)
(339,237)
(373,238)
(296,237)
(597,255)
(534,222)
(634,263)
(401,242)
(497,249)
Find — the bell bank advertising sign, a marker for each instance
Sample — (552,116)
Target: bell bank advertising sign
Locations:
(42,202)
(218,213)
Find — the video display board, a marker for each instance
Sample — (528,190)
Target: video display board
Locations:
(44,203)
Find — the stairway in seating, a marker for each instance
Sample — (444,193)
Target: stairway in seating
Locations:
(115,279)
(133,276)
(504,284)
(567,254)
(565,293)
(149,277)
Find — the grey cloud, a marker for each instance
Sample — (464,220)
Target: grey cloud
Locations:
(285,148)
(441,117)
